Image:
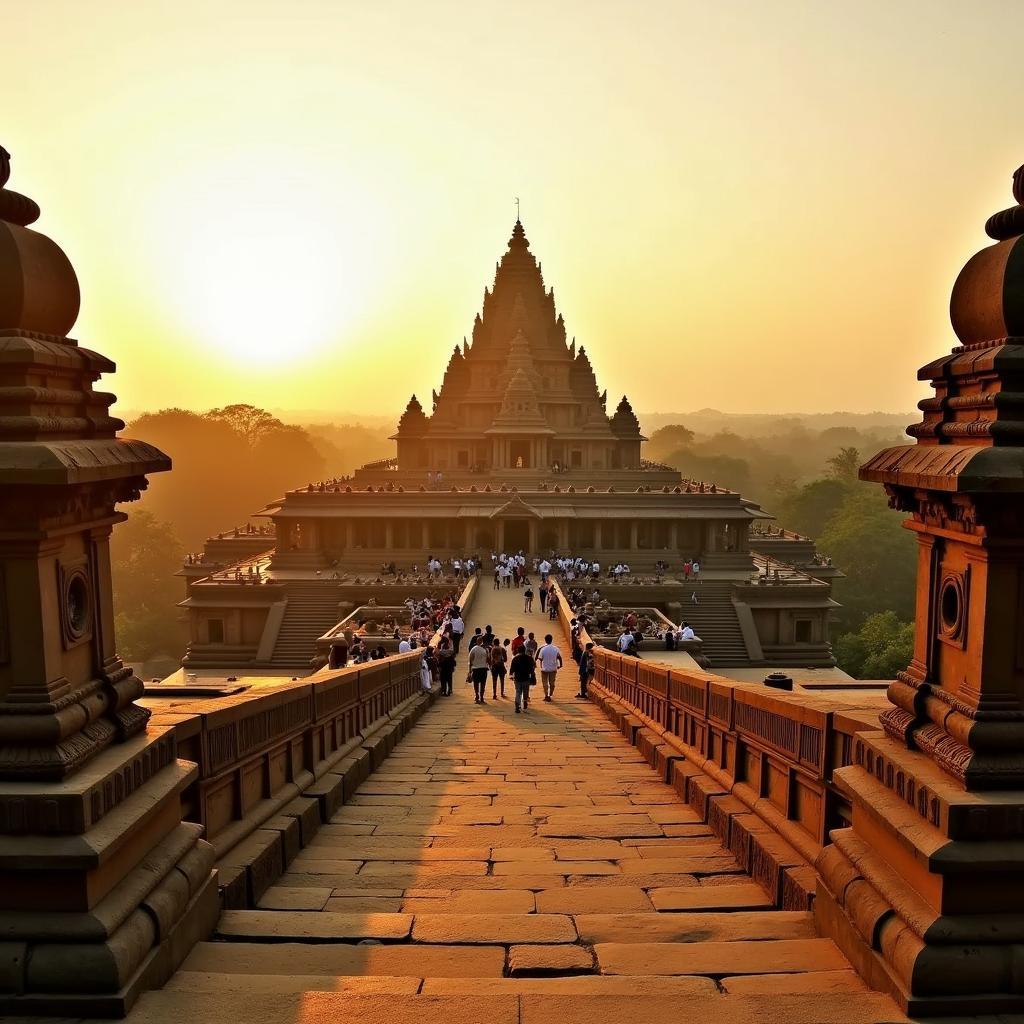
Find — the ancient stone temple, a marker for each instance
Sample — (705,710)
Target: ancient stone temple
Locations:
(102,887)
(674,845)
(518,397)
(519,452)
(923,891)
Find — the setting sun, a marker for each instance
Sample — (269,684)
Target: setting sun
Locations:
(265,269)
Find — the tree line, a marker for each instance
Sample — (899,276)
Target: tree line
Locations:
(849,520)
(227,464)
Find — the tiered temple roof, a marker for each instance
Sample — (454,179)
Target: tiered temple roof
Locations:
(518,354)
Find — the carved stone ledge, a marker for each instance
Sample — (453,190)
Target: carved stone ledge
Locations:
(91,793)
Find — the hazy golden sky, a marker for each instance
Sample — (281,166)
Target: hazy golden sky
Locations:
(747,205)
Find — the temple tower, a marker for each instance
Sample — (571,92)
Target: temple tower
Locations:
(924,892)
(102,886)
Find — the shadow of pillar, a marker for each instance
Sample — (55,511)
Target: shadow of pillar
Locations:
(924,891)
(103,887)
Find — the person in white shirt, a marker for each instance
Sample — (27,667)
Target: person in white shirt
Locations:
(458,628)
(478,659)
(687,632)
(625,640)
(695,569)
(545,568)
(550,658)
(404,647)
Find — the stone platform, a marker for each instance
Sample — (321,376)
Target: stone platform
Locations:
(503,867)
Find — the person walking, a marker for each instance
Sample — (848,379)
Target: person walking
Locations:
(497,665)
(543,593)
(518,641)
(524,675)
(550,658)
(478,658)
(427,668)
(446,665)
(458,626)
(528,599)
(531,646)
(587,669)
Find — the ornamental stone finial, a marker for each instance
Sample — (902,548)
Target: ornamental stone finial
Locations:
(38,286)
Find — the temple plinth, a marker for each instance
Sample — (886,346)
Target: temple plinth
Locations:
(102,886)
(924,891)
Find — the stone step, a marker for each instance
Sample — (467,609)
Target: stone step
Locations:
(343,959)
(718,959)
(171,1006)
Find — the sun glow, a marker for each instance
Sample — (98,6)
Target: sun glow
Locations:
(265,271)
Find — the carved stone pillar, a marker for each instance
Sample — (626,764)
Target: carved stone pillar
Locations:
(925,891)
(103,888)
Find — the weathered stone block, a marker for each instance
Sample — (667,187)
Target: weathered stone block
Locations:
(306,811)
(721,812)
(262,856)
(700,790)
(329,792)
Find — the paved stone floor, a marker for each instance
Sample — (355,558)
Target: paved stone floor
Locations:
(508,869)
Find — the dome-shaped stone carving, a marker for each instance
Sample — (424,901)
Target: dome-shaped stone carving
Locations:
(40,289)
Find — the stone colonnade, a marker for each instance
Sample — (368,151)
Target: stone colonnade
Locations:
(338,535)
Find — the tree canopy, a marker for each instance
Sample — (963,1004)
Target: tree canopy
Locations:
(882,646)
(145,553)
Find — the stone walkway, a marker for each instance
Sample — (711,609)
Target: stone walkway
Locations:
(504,869)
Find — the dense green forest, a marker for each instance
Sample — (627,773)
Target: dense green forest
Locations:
(229,462)
(808,480)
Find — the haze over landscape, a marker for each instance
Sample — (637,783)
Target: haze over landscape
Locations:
(743,206)
(511,512)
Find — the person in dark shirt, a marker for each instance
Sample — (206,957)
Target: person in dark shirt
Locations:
(446,665)
(523,675)
(587,669)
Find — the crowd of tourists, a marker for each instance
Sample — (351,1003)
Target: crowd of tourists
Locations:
(632,637)
(517,662)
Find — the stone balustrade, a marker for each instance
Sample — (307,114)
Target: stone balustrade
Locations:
(275,762)
(757,764)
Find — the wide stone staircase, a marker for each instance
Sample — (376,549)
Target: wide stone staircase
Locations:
(714,620)
(503,867)
(311,610)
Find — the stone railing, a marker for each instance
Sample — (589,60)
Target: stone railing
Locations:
(755,763)
(276,762)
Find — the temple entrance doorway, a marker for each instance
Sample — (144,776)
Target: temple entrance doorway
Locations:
(517,535)
(519,454)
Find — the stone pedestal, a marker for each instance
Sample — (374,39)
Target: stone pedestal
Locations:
(925,890)
(103,887)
